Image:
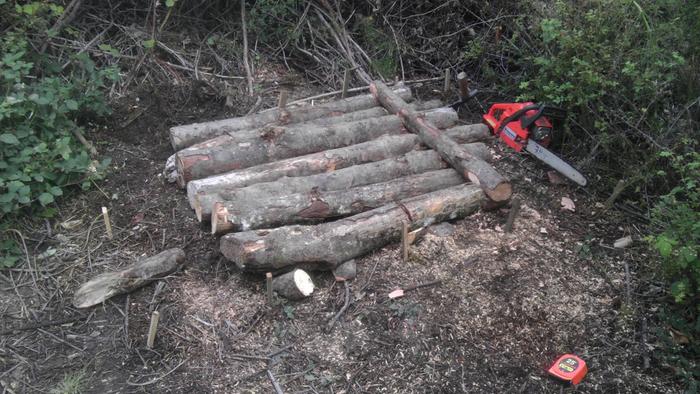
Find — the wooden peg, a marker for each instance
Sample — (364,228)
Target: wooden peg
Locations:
(405,242)
(155,317)
(446,86)
(282,103)
(463,83)
(108,224)
(346,82)
(268,279)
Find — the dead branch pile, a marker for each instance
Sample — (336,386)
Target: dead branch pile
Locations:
(315,186)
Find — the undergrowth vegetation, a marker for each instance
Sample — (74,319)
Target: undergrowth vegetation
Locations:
(42,102)
(626,71)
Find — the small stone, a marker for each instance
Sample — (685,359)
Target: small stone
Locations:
(442,230)
(623,242)
(345,271)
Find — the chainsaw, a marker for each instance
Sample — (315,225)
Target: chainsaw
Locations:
(528,126)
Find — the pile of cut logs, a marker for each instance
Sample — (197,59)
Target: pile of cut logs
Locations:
(316,186)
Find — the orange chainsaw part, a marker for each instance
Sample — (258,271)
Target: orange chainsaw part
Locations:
(506,121)
(569,368)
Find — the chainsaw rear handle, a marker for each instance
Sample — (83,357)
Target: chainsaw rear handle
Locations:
(526,121)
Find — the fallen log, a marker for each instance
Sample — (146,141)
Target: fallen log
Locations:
(412,163)
(476,170)
(379,149)
(314,207)
(289,142)
(295,285)
(243,136)
(325,246)
(183,136)
(141,273)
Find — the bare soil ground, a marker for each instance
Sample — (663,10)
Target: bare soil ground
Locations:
(506,306)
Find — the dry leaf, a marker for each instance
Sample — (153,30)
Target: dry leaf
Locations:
(396,294)
(568,204)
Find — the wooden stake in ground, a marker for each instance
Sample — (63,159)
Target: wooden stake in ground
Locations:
(412,163)
(346,82)
(152,329)
(446,86)
(496,187)
(404,242)
(327,245)
(295,285)
(108,223)
(183,136)
(268,283)
(371,151)
(248,214)
(282,143)
(512,214)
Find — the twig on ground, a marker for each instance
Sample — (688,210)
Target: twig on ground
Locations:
(156,380)
(34,326)
(275,383)
(342,310)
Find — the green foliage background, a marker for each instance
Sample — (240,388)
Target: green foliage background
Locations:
(40,104)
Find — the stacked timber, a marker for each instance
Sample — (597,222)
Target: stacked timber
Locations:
(316,186)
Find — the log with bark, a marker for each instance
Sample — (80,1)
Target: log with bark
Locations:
(314,207)
(139,274)
(371,151)
(412,163)
(242,136)
(496,187)
(183,136)
(325,246)
(294,285)
(286,142)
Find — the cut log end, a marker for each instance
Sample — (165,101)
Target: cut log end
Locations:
(502,192)
(295,285)
(219,219)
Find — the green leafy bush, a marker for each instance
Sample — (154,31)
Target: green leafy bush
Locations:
(615,65)
(39,108)
(677,216)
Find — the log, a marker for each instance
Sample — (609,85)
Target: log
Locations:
(325,246)
(412,163)
(284,143)
(382,148)
(295,285)
(242,136)
(142,272)
(314,207)
(496,187)
(183,136)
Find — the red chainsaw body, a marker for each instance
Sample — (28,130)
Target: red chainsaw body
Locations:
(513,133)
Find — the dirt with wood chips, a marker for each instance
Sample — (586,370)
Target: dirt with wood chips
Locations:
(506,305)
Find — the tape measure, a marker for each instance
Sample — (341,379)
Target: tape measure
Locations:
(569,368)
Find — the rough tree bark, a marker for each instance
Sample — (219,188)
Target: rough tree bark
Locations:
(324,246)
(284,143)
(141,273)
(371,151)
(314,207)
(242,136)
(476,170)
(183,136)
(414,162)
